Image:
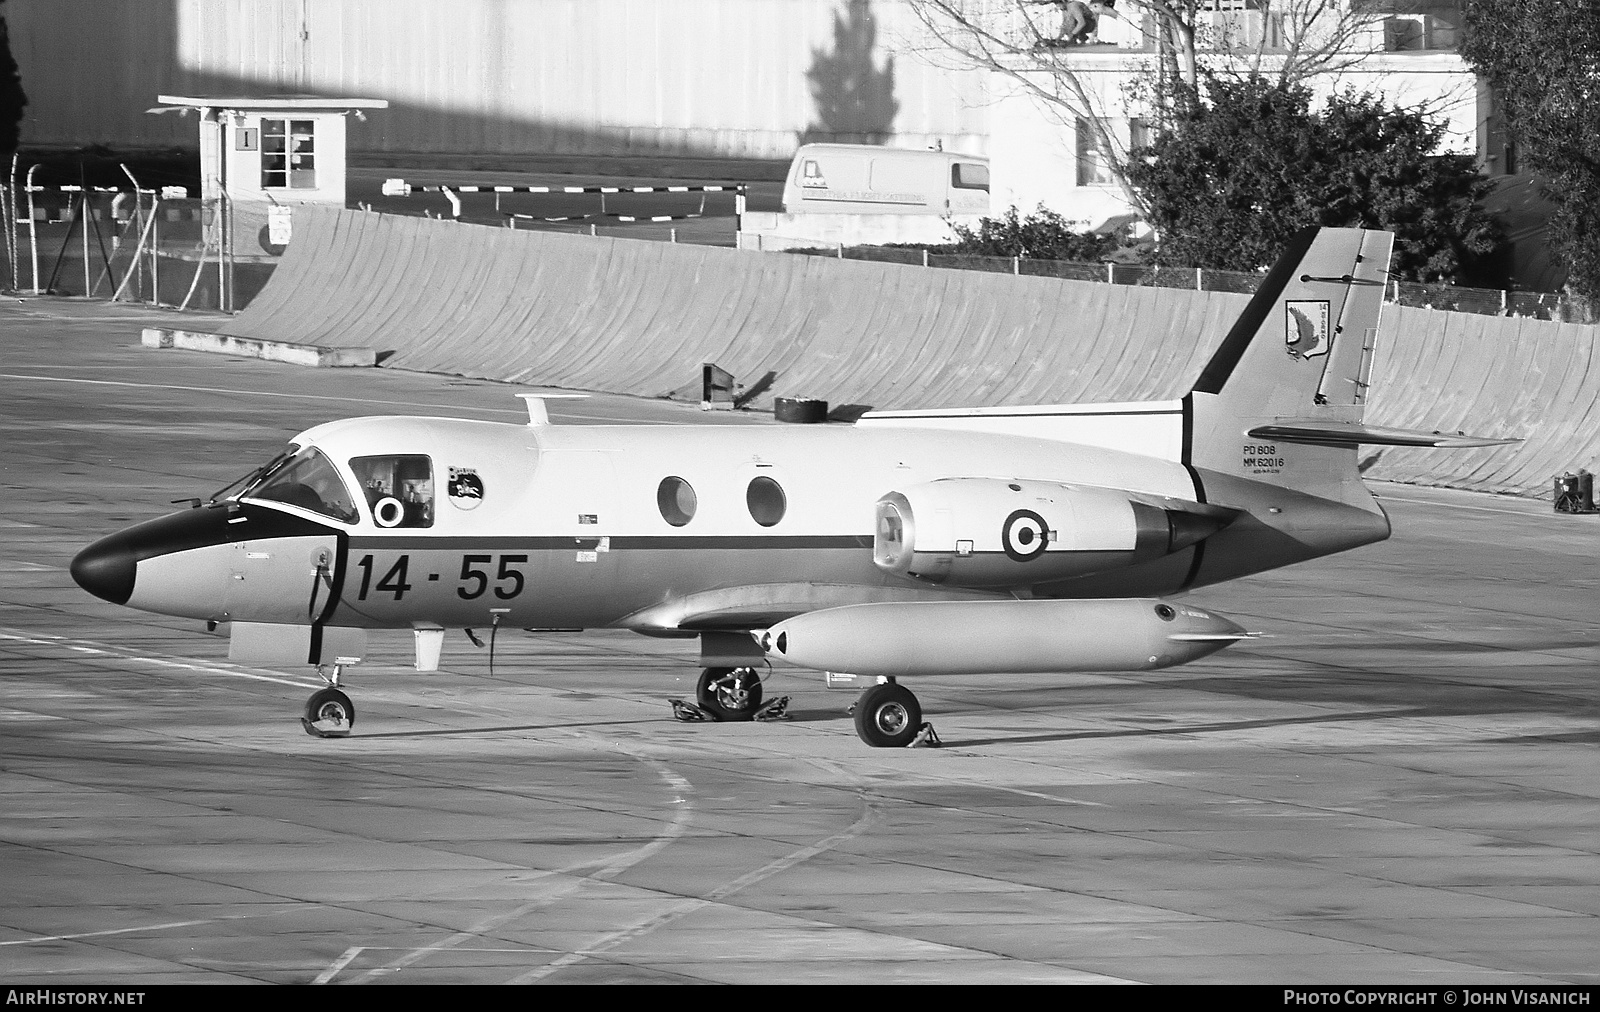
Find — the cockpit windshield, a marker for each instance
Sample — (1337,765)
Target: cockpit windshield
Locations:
(307,480)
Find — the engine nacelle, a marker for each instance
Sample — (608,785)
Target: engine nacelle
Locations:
(989,532)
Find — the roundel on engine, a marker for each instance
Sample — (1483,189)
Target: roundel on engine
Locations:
(1024,535)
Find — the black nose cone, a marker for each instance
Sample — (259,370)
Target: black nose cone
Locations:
(106,569)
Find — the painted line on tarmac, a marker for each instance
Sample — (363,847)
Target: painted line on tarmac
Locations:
(519,412)
(683,907)
(257,393)
(1460,506)
(675,828)
(100,934)
(95,648)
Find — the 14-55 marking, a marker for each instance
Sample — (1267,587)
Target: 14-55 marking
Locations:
(508,580)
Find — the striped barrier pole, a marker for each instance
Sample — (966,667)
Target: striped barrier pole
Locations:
(401,188)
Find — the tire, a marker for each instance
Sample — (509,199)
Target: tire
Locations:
(888,716)
(330,706)
(729,693)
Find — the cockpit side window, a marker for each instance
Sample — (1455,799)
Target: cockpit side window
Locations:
(308,480)
(399,488)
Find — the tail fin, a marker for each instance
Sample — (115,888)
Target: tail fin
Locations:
(1294,370)
(1298,357)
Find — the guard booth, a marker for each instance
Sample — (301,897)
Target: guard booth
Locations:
(262,157)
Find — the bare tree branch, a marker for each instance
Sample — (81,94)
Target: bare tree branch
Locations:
(1171,48)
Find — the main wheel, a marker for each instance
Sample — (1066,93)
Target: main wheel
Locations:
(888,716)
(333,711)
(729,693)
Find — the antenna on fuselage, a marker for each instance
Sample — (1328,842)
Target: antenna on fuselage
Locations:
(538,412)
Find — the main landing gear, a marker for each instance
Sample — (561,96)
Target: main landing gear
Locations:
(329,712)
(888,716)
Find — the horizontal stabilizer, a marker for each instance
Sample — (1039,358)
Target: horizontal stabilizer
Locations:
(1331,433)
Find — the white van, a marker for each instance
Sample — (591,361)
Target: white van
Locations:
(864,179)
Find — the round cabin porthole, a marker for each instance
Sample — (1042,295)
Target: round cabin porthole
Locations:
(676,500)
(766,501)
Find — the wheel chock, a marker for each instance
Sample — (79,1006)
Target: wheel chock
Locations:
(688,712)
(317,732)
(926,738)
(773,709)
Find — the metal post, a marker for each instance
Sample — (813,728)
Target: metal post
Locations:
(1016,265)
(33,230)
(222,259)
(924,258)
(155,253)
(11,220)
(9,213)
(1111,273)
(138,252)
(87,211)
(1199,280)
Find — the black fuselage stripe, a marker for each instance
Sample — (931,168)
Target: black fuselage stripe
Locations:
(666,542)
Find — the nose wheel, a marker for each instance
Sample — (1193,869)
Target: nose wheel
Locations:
(729,693)
(329,714)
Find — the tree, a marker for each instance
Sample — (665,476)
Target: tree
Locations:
(1174,45)
(12,98)
(852,96)
(1042,235)
(1252,165)
(1542,60)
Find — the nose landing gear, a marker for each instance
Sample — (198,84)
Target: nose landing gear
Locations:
(732,694)
(729,693)
(329,712)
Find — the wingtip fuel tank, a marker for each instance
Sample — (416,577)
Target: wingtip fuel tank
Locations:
(984,637)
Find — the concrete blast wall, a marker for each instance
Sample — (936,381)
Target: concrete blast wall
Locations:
(637,317)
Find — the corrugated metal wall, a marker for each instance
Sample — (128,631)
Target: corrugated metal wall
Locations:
(738,78)
(637,317)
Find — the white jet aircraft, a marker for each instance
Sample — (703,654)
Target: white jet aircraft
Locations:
(1000,540)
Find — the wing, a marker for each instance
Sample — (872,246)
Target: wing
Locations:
(757,606)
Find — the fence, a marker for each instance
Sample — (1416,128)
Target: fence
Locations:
(1485,301)
(133,244)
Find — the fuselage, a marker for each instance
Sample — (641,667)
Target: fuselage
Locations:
(400,522)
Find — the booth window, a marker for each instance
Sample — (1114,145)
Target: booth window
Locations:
(288,154)
(399,488)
